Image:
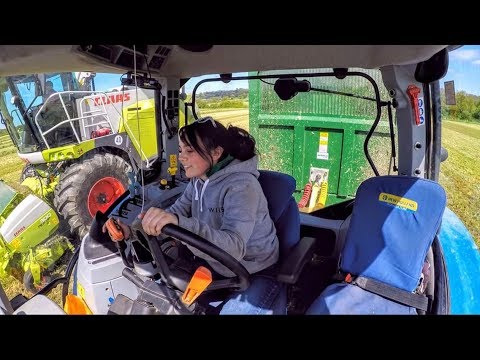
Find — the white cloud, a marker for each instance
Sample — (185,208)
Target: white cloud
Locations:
(465,55)
(476,62)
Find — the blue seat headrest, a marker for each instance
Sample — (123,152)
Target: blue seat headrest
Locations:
(278,189)
(393,224)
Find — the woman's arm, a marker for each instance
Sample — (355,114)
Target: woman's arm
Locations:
(183,205)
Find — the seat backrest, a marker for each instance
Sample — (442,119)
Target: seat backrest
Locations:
(393,224)
(278,189)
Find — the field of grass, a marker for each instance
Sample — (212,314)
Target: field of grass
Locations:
(459,174)
(235,117)
(11,165)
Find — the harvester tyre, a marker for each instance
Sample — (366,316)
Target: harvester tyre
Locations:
(89,185)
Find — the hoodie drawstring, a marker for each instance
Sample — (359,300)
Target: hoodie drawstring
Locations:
(196,191)
(202,192)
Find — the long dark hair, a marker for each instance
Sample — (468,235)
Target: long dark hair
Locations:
(235,141)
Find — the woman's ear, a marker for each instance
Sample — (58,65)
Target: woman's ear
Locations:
(217,153)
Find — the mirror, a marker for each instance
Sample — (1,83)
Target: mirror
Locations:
(15,100)
(443,154)
(38,89)
(450,93)
(432,69)
(183,95)
(288,88)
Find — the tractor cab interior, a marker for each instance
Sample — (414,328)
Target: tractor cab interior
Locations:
(370,245)
(295,252)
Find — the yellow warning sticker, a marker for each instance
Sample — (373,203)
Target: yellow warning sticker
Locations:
(322,153)
(16,243)
(81,291)
(173,161)
(398,201)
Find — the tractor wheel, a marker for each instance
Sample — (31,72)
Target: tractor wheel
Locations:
(88,186)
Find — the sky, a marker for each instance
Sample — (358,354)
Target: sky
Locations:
(464,69)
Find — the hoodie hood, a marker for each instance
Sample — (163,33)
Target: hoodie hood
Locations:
(235,166)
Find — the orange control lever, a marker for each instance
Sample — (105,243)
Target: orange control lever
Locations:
(198,283)
(412,92)
(114,230)
(75,305)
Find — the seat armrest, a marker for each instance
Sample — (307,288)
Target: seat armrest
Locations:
(293,264)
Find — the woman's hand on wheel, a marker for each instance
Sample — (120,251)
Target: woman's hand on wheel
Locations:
(155,219)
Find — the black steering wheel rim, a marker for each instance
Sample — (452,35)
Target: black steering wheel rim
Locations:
(239,282)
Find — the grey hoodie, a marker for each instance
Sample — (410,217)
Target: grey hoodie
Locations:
(230,210)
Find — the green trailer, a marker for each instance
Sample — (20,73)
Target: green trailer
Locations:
(319,135)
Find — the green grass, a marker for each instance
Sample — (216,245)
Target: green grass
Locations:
(235,117)
(11,165)
(460,173)
(471,130)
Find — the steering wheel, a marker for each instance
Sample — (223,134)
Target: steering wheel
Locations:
(174,279)
(239,282)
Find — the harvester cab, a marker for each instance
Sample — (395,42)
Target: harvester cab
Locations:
(23,96)
(84,148)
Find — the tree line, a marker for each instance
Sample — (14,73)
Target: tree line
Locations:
(239,93)
(221,99)
(467,107)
